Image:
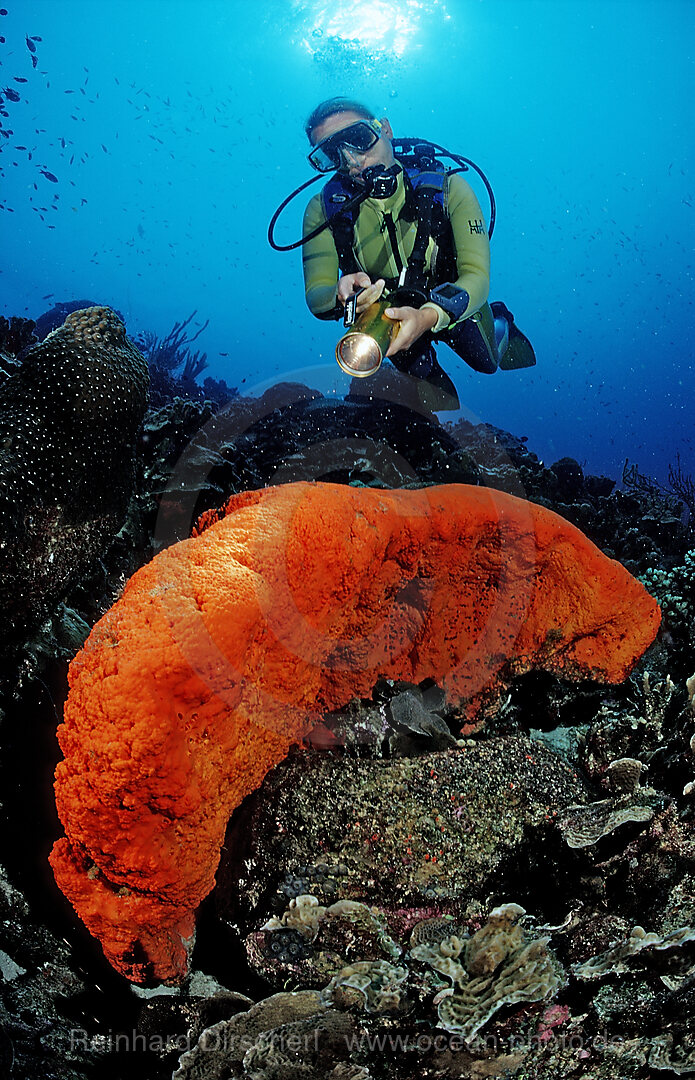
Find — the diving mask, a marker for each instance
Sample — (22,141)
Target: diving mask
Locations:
(359,137)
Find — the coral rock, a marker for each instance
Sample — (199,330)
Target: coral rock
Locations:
(289,1034)
(228,647)
(69,418)
(438,832)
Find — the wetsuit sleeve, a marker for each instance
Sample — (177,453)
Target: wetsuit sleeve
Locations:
(471,245)
(320,264)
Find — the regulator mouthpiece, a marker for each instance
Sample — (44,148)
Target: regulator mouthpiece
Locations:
(381,183)
(361,350)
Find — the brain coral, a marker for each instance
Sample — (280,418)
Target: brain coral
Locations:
(228,647)
(68,423)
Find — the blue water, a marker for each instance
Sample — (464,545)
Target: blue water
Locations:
(174,129)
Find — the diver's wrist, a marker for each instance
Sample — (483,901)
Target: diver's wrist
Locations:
(438,319)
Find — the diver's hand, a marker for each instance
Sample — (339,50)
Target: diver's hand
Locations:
(414,323)
(350,283)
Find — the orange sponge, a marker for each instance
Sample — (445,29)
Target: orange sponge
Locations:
(229,646)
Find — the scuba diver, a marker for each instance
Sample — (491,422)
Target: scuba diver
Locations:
(392,226)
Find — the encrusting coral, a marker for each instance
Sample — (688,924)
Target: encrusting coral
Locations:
(615,959)
(229,646)
(582,826)
(499,965)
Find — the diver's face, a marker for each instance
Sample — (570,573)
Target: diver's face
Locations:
(354,162)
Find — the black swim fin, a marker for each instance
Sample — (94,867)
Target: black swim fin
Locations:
(519,352)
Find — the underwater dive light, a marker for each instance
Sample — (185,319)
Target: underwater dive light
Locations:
(361,350)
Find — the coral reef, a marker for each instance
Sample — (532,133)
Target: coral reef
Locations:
(39,977)
(674,588)
(615,960)
(174,367)
(266,618)
(16,335)
(499,965)
(69,419)
(480,819)
(171,354)
(364,829)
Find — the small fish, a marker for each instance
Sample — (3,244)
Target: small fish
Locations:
(18,78)
(34,61)
(30,44)
(49,176)
(11,94)
(3,11)
(104,148)
(48,296)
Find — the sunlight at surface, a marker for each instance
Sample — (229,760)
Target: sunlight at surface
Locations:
(367,35)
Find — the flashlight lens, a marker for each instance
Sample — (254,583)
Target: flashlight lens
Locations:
(359,354)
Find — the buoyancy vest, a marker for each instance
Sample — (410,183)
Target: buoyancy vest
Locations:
(425,202)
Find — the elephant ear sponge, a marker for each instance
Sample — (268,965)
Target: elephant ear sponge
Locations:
(229,646)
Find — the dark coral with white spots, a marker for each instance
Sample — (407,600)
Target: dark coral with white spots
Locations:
(69,419)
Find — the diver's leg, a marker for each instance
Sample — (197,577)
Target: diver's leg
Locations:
(436,391)
(475,341)
(490,338)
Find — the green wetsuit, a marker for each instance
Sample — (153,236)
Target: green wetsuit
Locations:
(375,255)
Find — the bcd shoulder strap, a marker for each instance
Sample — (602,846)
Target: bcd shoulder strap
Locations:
(428,193)
(334,195)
